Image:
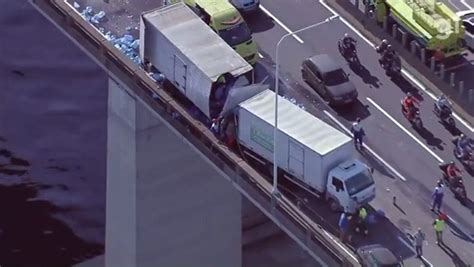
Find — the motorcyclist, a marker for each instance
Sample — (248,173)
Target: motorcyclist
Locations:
(382,47)
(444,106)
(348,42)
(409,105)
(388,55)
(452,171)
(463,144)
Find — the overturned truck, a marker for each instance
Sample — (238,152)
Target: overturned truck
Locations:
(202,66)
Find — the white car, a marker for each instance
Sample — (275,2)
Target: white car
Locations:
(468,22)
(246,6)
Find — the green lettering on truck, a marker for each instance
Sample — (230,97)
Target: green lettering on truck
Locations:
(261,138)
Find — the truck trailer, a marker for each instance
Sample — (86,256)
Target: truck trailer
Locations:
(432,23)
(310,152)
(202,66)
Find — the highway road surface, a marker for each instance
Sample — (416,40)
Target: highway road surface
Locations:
(406,159)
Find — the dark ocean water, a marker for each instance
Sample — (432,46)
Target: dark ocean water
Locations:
(53,107)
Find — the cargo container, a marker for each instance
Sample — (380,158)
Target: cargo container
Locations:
(310,152)
(202,66)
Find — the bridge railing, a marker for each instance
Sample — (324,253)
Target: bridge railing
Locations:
(120,68)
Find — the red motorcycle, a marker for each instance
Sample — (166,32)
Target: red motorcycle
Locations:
(456,184)
(415,117)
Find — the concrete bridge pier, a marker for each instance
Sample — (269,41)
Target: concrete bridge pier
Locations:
(166,204)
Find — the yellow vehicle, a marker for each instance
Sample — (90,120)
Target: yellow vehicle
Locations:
(226,20)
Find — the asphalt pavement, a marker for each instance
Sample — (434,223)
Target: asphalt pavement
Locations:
(413,154)
(406,159)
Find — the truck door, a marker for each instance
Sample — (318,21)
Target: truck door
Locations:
(180,72)
(296,159)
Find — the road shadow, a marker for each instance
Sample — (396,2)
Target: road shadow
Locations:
(457,261)
(353,111)
(406,87)
(429,137)
(259,21)
(468,203)
(453,130)
(376,164)
(365,74)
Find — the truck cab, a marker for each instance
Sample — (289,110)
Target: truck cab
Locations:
(226,20)
(350,185)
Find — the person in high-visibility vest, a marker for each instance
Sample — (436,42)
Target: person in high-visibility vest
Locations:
(438,225)
(361,222)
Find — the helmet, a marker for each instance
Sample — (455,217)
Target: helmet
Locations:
(384,41)
(461,135)
(346,35)
(451,162)
(389,47)
(409,94)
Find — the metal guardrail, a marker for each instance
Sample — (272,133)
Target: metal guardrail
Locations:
(285,214)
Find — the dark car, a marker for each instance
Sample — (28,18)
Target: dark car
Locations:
(327,78)
(377,256)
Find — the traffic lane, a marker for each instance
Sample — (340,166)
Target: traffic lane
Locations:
(459,5)
(404,146)
(371,81)
(382,232)
(408,216)
(297,14)
(410,213)
(296,22)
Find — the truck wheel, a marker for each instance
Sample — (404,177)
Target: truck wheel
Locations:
(334,205)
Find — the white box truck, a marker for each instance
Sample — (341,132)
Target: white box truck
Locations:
(175,41)
(310,152)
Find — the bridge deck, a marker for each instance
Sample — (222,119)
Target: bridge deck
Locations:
(250,183)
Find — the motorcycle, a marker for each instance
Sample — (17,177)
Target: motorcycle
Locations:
(456,184)
(416,119)
(349,54)
(393,68)
(380,49)
(447,119)
(466,157)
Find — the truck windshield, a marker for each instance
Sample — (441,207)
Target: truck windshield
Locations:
(359,182)
(237,34)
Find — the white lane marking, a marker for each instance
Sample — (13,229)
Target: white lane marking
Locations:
(379,158)
(281,24)
(405,72)
(260,55)
(466,4)
(413,250)
(340,245)
(405,130)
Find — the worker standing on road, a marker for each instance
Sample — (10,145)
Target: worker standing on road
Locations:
(438,225)
(437,196)
(343,226)
(361,223)
(419,239)
(358,133)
